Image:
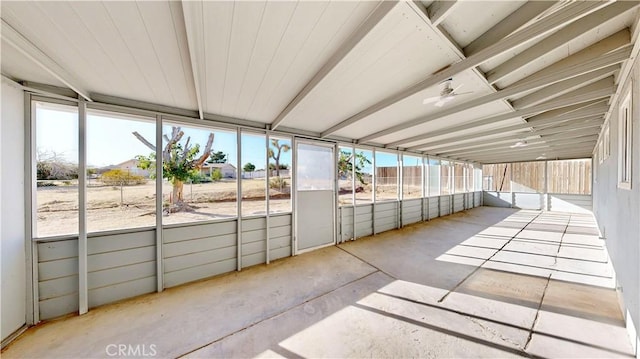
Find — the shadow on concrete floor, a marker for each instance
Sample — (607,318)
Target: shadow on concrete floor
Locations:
(488,282)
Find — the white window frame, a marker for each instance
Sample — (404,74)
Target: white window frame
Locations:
(625,142)
(595,168)
(600,151)
(606,144)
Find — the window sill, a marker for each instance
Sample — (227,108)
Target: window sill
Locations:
(624,185)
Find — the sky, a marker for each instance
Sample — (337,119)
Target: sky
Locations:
(110,139)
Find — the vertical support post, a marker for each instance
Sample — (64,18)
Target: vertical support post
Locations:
(373,193)
(452,186)
(353,188)
(423,194)
(464,187)
(513,195)
(83,290)
(239,200)
(31,247)
(159,204)
(399,187)
(340,216)
(546,186)
(427,186)
(340,221)
(267,198)
(336,194)
(294,186)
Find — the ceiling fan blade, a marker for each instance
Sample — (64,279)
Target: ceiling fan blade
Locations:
(440,103)
(463,93)
(455,90)
(430,100)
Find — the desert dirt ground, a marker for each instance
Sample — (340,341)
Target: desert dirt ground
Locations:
(58,205)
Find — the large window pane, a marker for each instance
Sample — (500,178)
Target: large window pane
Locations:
(312,164)
(477,177)
(199,173)
(364,176)
(386,176)
(411,177)
(56,169)
(527,177)
(254,164)
(446,174)
(469,169)
(459,177)
(279,174)
(345,175)
(120,189)
(434,177)
(569,176)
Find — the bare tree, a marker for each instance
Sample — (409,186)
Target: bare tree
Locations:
(179,162)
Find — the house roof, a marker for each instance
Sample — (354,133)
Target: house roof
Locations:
(217,165)
(544,72)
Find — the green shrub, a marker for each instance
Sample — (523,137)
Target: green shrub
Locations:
(216,175)
(199,178)
(278,183)
(121,178)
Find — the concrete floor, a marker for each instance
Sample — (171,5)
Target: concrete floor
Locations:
(489,282)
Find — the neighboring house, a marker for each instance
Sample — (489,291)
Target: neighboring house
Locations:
(129,166)
(226,169)
(261,173)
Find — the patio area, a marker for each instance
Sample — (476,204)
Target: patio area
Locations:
(488,282)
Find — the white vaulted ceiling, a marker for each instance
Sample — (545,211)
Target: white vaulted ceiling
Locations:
(351,70)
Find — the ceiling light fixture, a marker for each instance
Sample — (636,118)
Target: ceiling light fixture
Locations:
(521,143)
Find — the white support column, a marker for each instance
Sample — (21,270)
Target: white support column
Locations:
(83,289)
(267,198)
(546,186)
(423,194)
(353,188)
(159,207)
(373,193)
(31,247)
(513,196)
(294,176)
(399,186)
(239,200)
(336,194)
(452,186)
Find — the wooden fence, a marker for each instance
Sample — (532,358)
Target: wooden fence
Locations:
(564,177)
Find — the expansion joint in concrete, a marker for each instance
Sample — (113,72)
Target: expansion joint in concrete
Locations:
(486,260)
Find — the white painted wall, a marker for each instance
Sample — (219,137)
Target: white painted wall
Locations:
(12,236)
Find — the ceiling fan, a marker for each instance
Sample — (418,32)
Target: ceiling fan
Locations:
(521,143)
(447,94)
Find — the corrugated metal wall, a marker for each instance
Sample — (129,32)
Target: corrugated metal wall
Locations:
(386,216)
(199,251)
(123,265)
(412,211)
(57,278)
